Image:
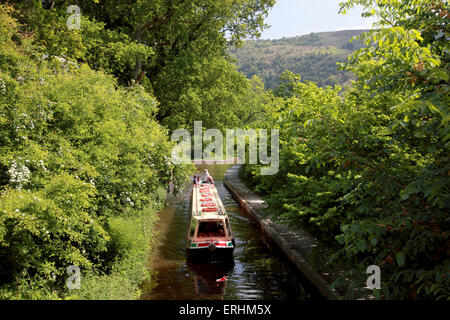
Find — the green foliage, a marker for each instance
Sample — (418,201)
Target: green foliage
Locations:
(370,169)
(214,93)
(131,241)
(103,48)
(80,160)
(175,49)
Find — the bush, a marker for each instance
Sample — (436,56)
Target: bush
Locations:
(80,160)
(131,242)
(368,169)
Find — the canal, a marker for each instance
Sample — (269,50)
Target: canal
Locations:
(257,272)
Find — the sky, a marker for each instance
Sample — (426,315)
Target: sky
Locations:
(289,18)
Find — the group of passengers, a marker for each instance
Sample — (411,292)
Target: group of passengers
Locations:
(206,178)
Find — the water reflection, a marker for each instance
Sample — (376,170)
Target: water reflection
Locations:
(210,279)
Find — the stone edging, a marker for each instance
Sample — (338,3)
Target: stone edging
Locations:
(296,245)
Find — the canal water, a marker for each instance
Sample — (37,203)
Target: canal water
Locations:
(256,272)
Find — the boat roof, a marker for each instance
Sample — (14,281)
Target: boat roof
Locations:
(199,195)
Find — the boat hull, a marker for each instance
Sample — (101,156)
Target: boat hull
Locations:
(205,254)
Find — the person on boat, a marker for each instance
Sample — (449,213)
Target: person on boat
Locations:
(207,178)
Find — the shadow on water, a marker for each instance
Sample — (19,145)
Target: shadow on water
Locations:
(256,272)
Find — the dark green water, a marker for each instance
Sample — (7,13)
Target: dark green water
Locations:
(257,272)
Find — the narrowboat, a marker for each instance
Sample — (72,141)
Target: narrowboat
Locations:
(208,231)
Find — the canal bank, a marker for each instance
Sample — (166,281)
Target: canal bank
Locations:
(299,246)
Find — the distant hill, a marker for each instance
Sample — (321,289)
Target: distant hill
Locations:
(313,56)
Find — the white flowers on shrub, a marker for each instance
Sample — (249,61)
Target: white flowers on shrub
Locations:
(41,165)
(127,199)
(66,64)
(131,203)
(2,86)
(19,174)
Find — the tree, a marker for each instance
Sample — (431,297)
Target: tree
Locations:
(144,41)
(368,168)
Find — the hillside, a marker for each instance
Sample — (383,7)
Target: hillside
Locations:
(313,56)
